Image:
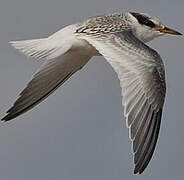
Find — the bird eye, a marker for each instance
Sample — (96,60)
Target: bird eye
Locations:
(149,23)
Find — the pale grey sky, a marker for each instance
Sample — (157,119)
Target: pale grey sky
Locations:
(79,132)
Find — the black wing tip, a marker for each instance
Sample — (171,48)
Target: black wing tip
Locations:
(10,114)
(139,168)
(138,171)
(8,117)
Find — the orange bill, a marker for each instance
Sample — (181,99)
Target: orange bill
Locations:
(170,31)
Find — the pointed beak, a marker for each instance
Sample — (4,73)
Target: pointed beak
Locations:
(169,31)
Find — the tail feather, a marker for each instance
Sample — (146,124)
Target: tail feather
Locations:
(37,48)
(41,48)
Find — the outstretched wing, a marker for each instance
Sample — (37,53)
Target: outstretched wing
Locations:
(141,74)
(60,62)
(52,74)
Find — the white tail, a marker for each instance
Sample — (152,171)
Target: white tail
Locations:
(41,48)
(36,48)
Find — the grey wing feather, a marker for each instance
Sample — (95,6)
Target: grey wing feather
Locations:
(49,77)
(142,78)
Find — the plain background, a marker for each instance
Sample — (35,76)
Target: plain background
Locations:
(79,132)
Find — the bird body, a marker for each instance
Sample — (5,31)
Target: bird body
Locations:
(121,39)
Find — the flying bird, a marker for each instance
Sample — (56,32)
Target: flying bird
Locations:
(121,38)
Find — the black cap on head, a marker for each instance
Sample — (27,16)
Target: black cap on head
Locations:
(143,19)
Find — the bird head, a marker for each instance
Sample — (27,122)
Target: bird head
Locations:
(146,27)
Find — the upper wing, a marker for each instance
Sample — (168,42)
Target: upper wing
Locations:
(49,77)
(141,74)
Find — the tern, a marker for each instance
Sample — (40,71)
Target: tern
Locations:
(120,38)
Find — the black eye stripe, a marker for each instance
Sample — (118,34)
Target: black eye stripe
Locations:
(149,23)
(143,20)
